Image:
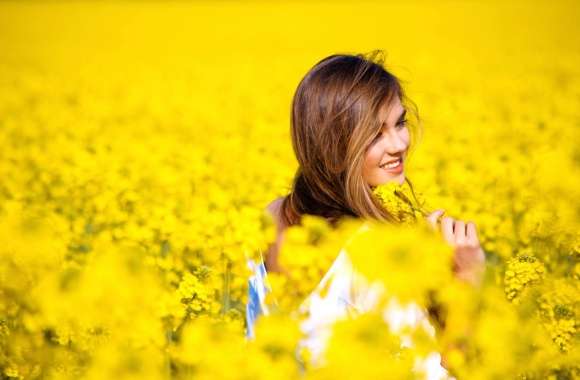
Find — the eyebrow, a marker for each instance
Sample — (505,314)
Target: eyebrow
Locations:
(400,117)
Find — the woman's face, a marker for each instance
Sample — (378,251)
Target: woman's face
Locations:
(390,144)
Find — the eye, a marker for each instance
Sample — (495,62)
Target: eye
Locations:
(402,123)
(378,136)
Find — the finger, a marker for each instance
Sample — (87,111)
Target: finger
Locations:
(459,232)
(472,237)
(447,229)
(434,217)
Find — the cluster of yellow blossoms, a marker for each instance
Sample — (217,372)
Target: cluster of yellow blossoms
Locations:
(521,271)
(401,202)
(136,162)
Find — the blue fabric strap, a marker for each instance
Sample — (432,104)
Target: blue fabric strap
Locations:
(257,289)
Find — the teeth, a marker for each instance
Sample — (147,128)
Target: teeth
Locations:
(392,164)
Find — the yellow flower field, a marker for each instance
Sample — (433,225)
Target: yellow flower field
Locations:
(141,141)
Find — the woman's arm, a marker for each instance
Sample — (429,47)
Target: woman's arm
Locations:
(469,263)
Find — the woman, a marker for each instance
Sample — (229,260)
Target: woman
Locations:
(350,133)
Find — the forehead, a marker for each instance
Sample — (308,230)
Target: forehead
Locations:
(391,111)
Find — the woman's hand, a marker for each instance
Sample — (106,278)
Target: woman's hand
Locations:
(469,259)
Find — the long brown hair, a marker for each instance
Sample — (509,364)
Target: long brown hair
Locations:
(333,121)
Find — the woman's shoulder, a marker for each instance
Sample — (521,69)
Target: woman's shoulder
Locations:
(271,257)
(276,202)
(275,208)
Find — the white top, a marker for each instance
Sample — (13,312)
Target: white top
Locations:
(348,294)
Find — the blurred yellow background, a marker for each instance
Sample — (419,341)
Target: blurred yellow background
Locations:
(165,126)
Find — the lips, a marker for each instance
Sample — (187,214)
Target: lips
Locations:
(397,161)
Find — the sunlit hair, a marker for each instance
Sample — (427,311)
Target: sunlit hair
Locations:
(335,116)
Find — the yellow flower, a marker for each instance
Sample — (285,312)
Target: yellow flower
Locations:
(401,202)
(521,272)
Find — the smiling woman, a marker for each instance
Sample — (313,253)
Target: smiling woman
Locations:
(347,121)
(350,133)
(350,121)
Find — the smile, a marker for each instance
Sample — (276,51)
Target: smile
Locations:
(393,167)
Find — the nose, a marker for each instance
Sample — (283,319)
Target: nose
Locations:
(394,143)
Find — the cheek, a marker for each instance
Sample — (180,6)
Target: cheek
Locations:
(372,158)
(405,135)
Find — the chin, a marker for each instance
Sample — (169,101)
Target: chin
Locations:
(399,178)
